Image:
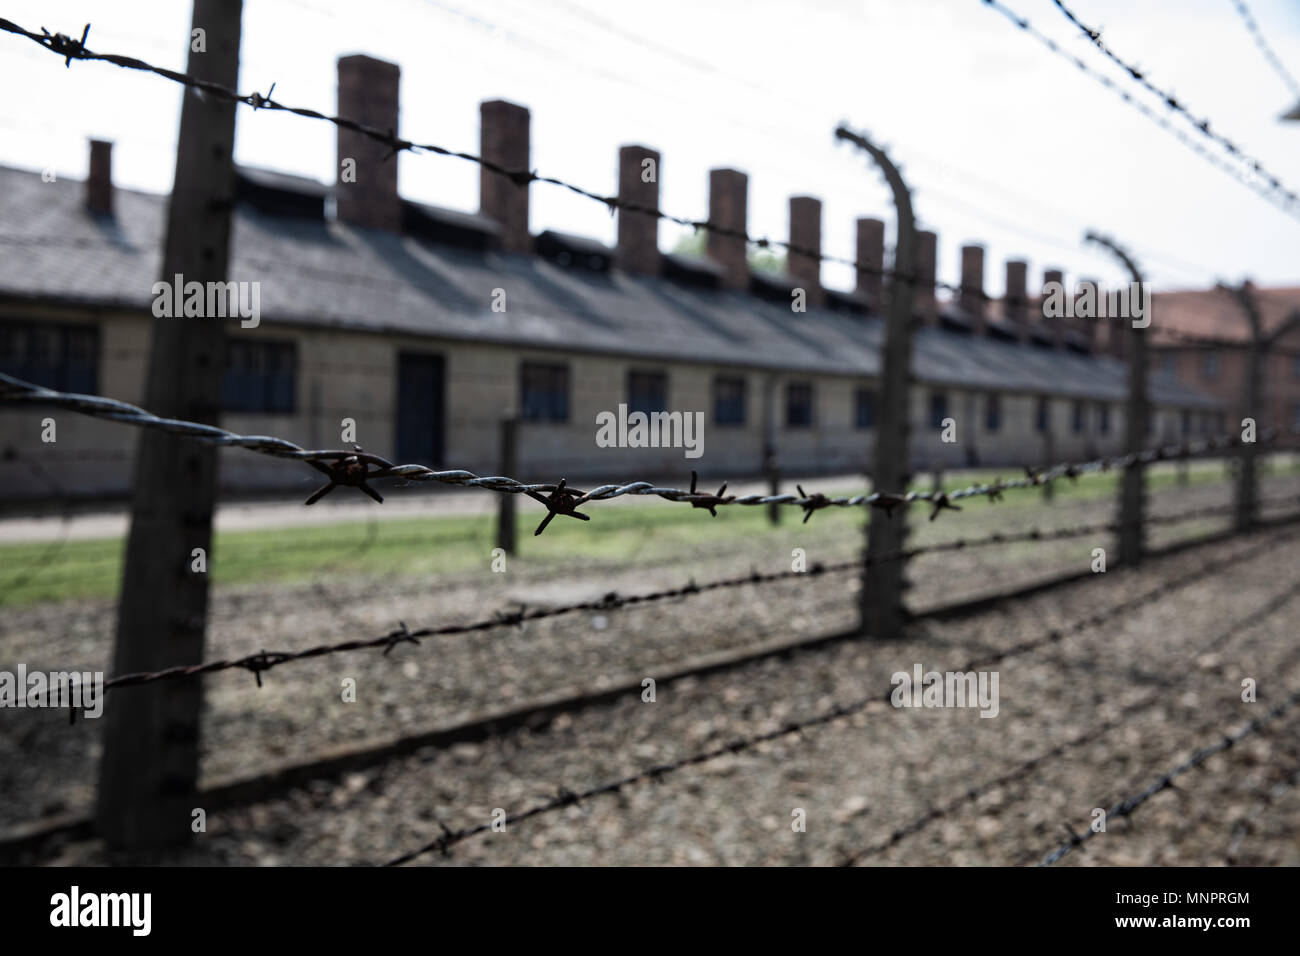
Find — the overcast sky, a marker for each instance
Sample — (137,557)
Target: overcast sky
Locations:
(1002,142)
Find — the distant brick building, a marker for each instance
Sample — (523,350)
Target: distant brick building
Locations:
(424,325)
(1221,371)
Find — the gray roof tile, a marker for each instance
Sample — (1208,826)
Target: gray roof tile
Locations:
(328,273)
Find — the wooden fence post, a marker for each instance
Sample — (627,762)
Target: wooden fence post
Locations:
(883,583)
(149,770)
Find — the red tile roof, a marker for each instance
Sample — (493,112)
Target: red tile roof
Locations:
(1214,313)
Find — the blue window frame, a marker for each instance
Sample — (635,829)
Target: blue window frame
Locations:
(260,377)
(729,400)
(544,392)
(57,355)
(799,405)
(865,408)
(647,392)
(993,413)
(938,409)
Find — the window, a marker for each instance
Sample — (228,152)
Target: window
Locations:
(260,377)
(1042,419)
(1295,367)
(1077,421)
(1205,423)
(798,405)
(1169,364)
(993,413)
(1103,418)
(729,400)
(938,409)
(53,354)
(1186,423)
(647,392)
(1295,415)
(865,408)
(1210,366)
(544,392)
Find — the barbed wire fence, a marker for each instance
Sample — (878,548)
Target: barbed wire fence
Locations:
(1234,160)
(357,469)
(566,797)
(1266,50)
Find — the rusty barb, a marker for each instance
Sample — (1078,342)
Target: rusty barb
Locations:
(64,45)
(559,502)
(355,468)
(812,503)
(351,471)
(710,502)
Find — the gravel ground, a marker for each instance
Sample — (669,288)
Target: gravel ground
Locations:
(735,809)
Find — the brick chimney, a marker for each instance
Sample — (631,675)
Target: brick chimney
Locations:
(806,233)
(729,209)
(971,298)
(1056,326)
(638,233)
(99,182)
(1090,328)
(871,259)
(368,93)
(504,140)
(924,305)
(1015,305)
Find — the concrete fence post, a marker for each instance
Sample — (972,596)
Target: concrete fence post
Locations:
(148,776)
(883,583)
(507,505)
(1132,496)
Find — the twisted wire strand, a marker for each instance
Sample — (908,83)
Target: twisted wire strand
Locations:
(612,600)
(1255,177)
(1129,805)
(355,467)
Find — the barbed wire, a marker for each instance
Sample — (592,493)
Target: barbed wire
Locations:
(566,798)
(1129,805)
(1268,191)
(1247,823)
(1266,50)
(1092,735)
(94,567)
(1200,123)
(356,468)
(612,600)
(73,49)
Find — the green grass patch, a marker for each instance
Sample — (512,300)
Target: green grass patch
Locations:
(648,530)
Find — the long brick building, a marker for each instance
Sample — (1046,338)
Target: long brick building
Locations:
(424,325)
